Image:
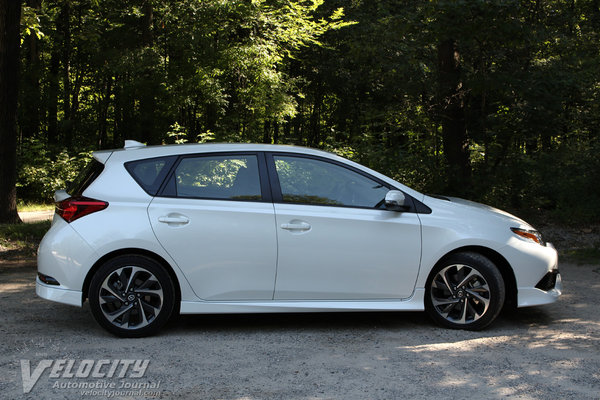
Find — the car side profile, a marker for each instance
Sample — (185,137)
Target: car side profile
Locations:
(146,232)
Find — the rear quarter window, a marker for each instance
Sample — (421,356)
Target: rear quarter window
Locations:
(151,172)
(92,170)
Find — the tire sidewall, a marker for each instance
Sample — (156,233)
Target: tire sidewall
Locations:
(490,273)
(137,261)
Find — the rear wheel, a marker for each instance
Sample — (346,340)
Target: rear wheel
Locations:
(131,296)
(465,291)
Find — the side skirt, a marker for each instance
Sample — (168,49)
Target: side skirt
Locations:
(414,303)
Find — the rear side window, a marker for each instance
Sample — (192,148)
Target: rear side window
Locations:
(151,172)
(85,178)
(226,177)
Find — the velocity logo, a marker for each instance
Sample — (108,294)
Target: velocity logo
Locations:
(84,369)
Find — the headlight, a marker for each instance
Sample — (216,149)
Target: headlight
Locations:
(529,234)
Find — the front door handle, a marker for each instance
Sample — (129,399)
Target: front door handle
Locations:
(181,220)
(301,226)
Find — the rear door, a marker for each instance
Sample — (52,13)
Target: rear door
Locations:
(216,220)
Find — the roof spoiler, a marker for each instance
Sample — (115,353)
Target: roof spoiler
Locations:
(61,195)
(133,144)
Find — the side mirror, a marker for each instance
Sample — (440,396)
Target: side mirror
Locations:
(396,201)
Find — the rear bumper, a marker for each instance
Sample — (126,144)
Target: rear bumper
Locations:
(65,256)
(53,293)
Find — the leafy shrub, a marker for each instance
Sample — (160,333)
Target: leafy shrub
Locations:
(40,172)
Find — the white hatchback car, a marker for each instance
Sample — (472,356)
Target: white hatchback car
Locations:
(146,232)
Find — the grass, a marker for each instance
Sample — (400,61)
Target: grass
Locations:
(21,240)
(588,255)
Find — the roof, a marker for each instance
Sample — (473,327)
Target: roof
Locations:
(135,151)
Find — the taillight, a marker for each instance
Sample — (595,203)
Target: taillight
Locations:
(77,207)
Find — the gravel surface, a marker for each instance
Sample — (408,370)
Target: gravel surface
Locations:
(36,216)
(547,352)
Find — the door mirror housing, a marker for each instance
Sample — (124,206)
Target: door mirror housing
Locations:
(395,200)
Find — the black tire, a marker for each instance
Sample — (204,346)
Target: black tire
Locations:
(464,291)
(140,306)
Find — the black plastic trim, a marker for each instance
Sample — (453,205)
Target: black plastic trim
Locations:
(421,208)
(548,282)
(48,280)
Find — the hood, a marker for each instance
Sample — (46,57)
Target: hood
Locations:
(479,208)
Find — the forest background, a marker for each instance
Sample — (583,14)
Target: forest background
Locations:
(496,101)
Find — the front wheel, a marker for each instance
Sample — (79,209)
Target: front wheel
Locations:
(465,291)
(131,296)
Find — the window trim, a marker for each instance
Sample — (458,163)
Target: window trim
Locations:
(265,188)
(276,186)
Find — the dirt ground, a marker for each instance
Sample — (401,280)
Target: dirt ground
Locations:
(36,216)
(547,352)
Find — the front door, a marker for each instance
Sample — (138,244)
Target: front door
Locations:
(335,242)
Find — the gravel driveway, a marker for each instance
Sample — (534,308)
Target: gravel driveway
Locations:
(546,352)
(36,216)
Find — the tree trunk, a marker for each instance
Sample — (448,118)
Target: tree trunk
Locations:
(454,131)
(63,25)
(150,86)
(10,19)
(103,113)
(266,132)
(53,98)
(29,117)
(315,118)
(275,132)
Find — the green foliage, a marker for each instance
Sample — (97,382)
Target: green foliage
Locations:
(32,232)
(363,81)
(177,134)
(30,23)
(40,173)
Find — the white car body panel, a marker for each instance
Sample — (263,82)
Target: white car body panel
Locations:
(354,253)
(228,250)
(65,255)
(414,303)
(242,273)
(52,293)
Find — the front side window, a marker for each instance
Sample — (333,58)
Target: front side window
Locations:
(311,181)
(232,177)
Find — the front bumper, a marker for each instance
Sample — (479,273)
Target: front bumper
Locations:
(536,272)
(548,289)
(535,297)
(60,295)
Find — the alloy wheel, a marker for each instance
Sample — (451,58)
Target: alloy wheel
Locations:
(460,294)
(131,297)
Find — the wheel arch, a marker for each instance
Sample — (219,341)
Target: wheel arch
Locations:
(501,263)
(135,252)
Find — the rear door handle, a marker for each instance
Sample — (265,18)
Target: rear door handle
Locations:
(174,220)
(302,226)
